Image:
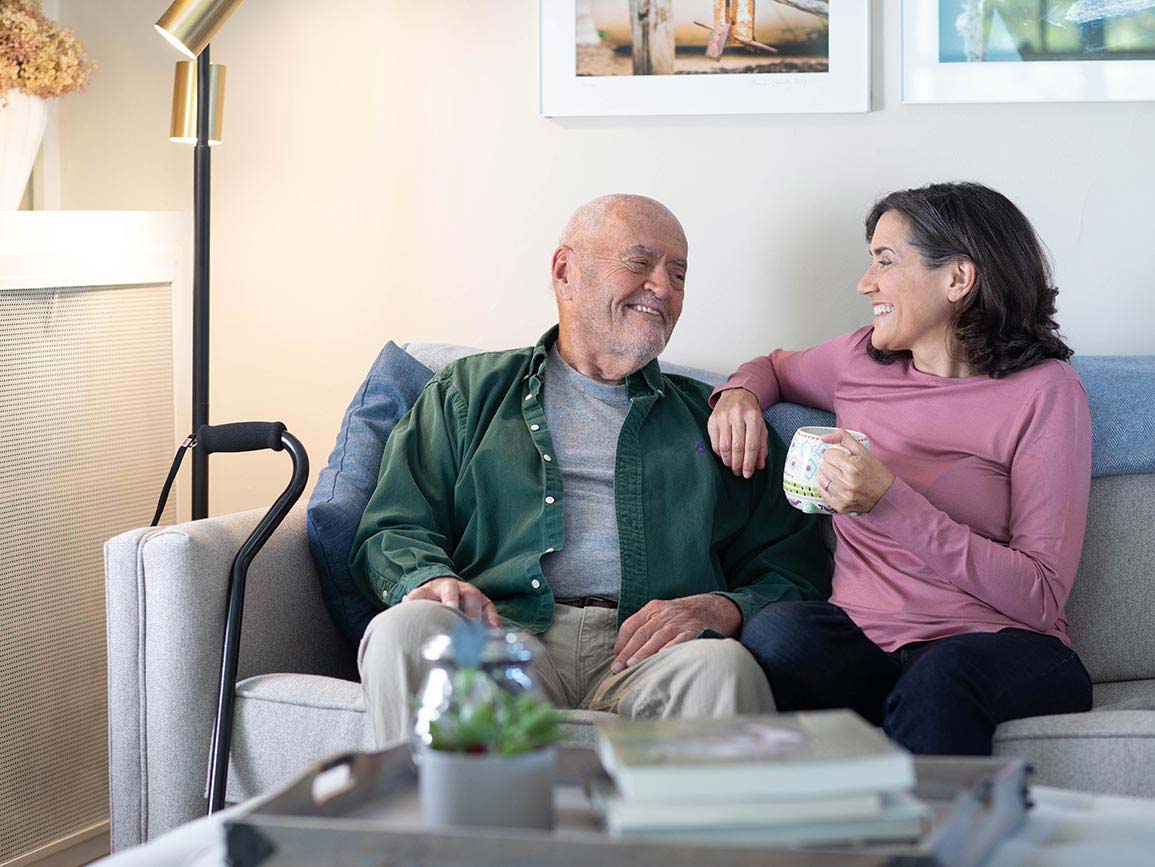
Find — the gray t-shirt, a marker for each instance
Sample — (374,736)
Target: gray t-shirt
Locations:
(584,418)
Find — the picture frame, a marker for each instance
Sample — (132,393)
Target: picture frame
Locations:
(926,78)
(843,87)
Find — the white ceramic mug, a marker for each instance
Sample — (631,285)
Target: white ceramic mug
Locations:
(800,478)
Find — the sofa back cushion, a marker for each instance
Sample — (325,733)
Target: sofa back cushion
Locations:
(1111,610)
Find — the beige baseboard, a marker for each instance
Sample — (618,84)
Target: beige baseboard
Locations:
(83,847)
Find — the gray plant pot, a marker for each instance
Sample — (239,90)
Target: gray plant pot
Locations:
(488,790)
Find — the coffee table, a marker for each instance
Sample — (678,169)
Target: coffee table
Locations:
(356,809)
(1064,828)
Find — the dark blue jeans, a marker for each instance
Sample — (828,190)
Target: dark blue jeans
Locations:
(942,697)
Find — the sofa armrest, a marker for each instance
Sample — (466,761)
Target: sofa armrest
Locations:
(165,591)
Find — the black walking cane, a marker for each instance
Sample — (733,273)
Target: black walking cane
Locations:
(242,437)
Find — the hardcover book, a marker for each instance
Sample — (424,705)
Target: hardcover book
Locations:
(781,756)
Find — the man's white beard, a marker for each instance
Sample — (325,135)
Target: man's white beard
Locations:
(644,354)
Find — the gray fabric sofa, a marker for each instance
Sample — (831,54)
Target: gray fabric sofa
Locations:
(298,698)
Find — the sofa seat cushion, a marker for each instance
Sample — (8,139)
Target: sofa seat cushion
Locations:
(283,722)
(1102,751)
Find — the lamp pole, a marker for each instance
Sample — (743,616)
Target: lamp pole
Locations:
(200,372)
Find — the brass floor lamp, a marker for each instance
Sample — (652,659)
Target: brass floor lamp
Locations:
(190,25)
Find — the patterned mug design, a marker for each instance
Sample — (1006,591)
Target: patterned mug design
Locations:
(800,478)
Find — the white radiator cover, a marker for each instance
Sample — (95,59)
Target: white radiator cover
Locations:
(88,427)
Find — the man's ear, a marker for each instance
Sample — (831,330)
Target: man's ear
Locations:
(962,280)
(563,270)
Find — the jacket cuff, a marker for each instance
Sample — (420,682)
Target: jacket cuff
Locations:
(746,605)
(391,595)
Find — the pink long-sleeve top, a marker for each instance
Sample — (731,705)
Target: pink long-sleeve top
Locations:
(983,526)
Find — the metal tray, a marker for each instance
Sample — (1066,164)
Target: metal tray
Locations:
(361,810)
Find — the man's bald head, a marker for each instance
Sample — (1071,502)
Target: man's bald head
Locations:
(618,274)
(592,218)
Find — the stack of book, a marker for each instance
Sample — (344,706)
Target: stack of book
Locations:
(805,779)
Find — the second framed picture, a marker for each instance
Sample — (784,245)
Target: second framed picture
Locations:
(667,57)
(1028,50)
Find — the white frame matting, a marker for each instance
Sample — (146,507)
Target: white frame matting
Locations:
(845,88)
(925,79)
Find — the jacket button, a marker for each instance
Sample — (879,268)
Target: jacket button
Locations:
(534,583)
(535,427)
(549,500)
(547,458)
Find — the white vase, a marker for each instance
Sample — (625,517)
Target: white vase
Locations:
(22,123)
(486,790)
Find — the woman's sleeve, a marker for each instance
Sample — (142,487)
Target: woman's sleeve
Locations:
(1029,578)
(807,377)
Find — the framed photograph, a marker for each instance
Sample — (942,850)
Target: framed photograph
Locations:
(1028,50)
(665,57)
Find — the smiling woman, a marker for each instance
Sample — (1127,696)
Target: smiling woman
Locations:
(996,300)
(957,539)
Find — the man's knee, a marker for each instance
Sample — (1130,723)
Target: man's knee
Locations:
(403,629)
(717,677)
(721,656)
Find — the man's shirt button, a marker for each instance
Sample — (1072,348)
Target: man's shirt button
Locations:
(547,458)
(535,427)
(549,550)
(534,583)
(549,500)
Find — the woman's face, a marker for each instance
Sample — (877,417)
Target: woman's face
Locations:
(912,310)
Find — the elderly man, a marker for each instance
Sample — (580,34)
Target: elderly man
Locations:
(569,488)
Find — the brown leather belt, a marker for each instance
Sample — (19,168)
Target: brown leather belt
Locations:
(589,602)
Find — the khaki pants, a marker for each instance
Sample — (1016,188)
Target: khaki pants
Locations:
(702,678)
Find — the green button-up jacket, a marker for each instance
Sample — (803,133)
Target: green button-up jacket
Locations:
(469,488)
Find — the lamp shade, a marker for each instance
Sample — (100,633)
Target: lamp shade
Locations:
(190,25)
(184,103)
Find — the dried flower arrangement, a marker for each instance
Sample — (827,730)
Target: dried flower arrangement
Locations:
(37,55)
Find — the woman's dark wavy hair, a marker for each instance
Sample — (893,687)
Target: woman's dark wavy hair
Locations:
(1006,322)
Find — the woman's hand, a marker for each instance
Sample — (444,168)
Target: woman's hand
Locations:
(738,432)
(851,484)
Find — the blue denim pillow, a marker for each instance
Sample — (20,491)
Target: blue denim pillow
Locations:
(785,418)
(345,485)
(1121,393)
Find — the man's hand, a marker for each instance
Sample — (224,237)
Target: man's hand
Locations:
(458,594)
(665,622)
(738,433)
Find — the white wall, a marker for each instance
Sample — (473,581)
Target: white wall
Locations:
(385,176)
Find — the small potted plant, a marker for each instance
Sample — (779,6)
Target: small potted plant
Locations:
(39,60)
(484,736)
